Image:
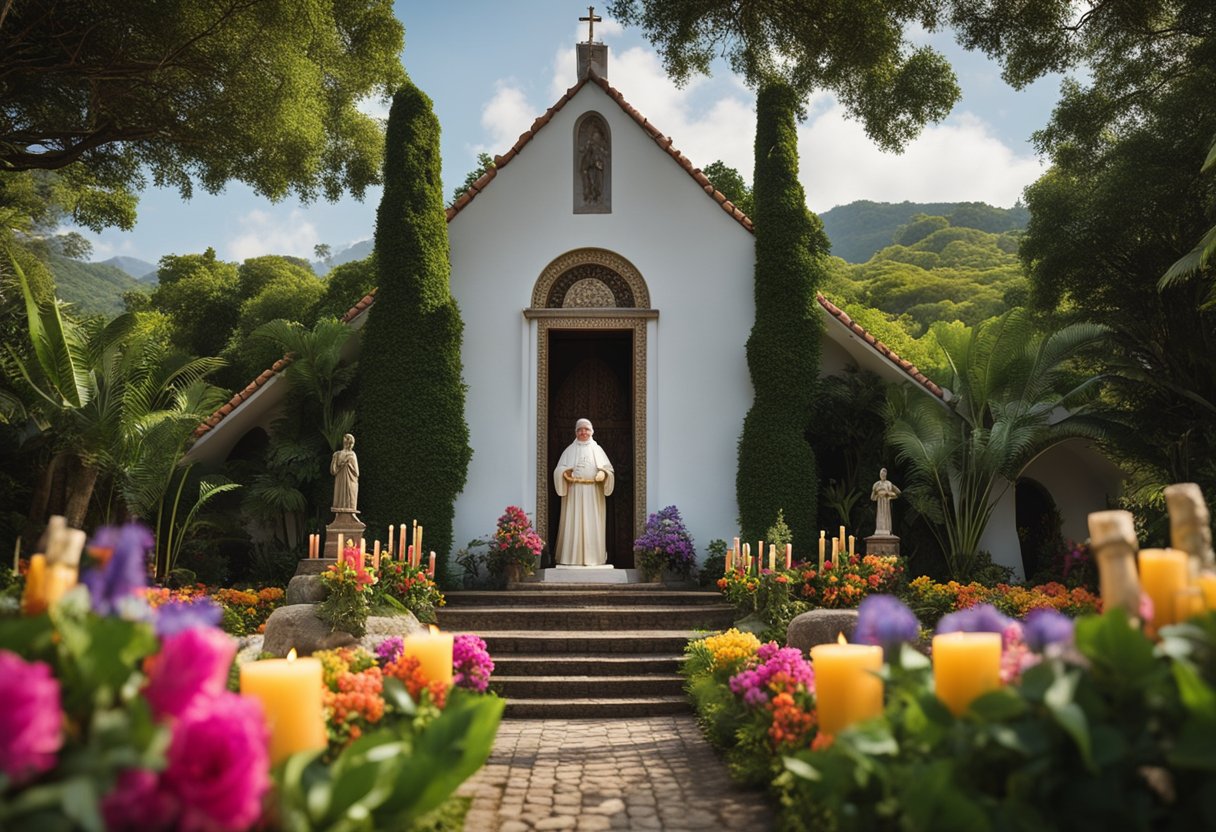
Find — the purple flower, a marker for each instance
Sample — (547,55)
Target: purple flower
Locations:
(137,803)
(123,552)
(190,666)
(31,722)
(471,662)
(885,620)
(178,616)
(982,618)
(218,764)
(1045,627)
(753,684)
(390,650)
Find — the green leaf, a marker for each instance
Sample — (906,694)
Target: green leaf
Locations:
(1069,715)
(1119,648)
(871,738)
(1197,695)
(1196,746)
(1000,705)
(396,696)
(801,768)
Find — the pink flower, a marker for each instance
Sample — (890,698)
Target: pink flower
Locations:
(191,665)
(31,721)
(218,764)
(137,803)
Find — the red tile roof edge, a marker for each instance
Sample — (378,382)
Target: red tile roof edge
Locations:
(883,350)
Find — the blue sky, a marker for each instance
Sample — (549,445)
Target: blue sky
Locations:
(491,69)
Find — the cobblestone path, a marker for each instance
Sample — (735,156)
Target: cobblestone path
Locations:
(595,774)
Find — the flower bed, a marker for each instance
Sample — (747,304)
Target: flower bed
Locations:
(244,610)
(1092,726)
(931,600)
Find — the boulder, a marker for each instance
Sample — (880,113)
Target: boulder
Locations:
(306,589)
(819,627)
(380,627)
(298,626)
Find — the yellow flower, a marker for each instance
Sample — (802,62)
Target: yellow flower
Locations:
(731,647)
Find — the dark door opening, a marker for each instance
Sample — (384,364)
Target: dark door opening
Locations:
(591,376)
(1038,523)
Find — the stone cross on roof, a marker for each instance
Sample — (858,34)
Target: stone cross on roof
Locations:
(591,19)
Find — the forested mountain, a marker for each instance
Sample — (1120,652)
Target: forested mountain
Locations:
(141,270)
(94,288)
(858,230)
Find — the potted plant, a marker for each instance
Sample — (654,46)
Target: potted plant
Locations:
(665,546)
(515,548)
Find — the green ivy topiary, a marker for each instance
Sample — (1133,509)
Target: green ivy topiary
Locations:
(776,465)
(413,437)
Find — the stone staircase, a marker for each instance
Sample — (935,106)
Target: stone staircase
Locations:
(566,650)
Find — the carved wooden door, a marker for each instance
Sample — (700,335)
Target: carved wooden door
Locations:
(591,376)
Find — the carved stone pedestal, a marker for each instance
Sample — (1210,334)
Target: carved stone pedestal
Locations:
(882,544)
(346,526)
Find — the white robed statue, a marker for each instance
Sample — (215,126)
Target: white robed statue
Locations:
(583,478)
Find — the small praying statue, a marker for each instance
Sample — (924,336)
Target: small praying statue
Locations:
(883,492)
(345,468)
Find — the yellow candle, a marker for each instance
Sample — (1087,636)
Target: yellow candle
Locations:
(433,650)
(965,666)
(730,561)
(822,542)
(391,526)
(1207,583)
(290,692)
(842,541)
(846,689)
(772,558)
(1188,603)
(33,598)
(852,540)
(430,569)
(789,555)
(376,556)
(1162,573)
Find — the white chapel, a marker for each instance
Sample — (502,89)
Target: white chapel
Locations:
(599,274)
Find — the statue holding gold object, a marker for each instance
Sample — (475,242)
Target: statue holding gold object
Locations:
(583,478)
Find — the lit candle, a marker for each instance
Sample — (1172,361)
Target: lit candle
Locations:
(391,526)
(846,689)
(965,666)
(33,598)
(822,542)
(789,555)
(433,650)
(290,692)
(430,569)
(1207,583)
(1162,573)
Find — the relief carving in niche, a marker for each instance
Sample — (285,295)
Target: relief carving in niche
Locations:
(598,286)
(588,293)
(593,166)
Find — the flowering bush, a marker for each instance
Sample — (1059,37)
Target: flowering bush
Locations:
(244,610)
(472,663)
(665,544)
(411,587)
(729,650)
(515,544)
(116,711)
(348,594)
(846,582)
(931,600)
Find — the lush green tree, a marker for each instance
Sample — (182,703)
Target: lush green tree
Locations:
(731,183)
(201,294)
(1200,259)
(411,398)
(918,228)
(346,285)
(485,163)
(1009,383)
(182,92)
(776,465)
(858,52)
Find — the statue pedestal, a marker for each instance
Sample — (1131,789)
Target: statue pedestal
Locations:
(346,526)
(882,544)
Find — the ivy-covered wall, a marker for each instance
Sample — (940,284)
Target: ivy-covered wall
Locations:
(413,441)
(777,468)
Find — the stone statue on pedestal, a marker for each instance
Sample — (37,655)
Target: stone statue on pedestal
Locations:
(344,466)
(883,542)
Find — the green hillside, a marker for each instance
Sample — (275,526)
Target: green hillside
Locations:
(94,288)
(858,230)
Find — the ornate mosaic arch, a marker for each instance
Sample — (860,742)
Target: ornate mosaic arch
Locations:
(587,278)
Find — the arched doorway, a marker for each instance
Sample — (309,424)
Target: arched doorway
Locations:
(590,375)
(1038,523)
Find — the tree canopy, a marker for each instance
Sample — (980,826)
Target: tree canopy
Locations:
(263,92)
(857,51)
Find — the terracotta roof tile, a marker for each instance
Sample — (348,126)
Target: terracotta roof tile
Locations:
(905,365)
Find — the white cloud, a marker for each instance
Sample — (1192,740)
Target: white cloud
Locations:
(959,160)
(375,106)
(271,232)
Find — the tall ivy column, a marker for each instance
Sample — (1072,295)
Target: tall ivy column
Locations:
(413,441)
(777,469)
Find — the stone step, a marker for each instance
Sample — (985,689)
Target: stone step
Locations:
(596,708)
(603,664)
(589,687)
(563,586)
(488,619)
(581,597)
(582,643)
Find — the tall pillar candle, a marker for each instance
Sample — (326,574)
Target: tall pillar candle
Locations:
(822,543)
(772,558)
(433,650)
(730,561)
(376,556)
(846,689)
(1207,583)
(33,597)
(1162,573)
(401,553)
(841,545)
(852,543)
(789,555)
(430,568)
(965,666)
(391,527)
(290,692)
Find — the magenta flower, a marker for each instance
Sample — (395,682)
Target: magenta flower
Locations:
(218,764)
(753,684)
(390,649)
(138,804)
(190,665)
(471,662)
(31,721)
